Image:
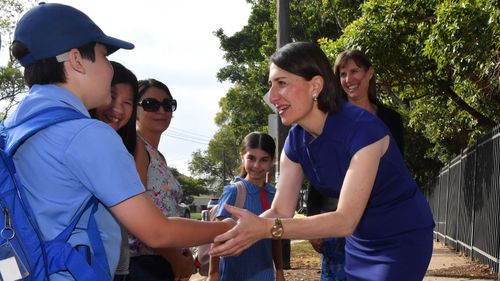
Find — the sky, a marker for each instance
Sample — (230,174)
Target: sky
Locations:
(174,43)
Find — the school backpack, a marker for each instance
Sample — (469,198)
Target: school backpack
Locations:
(202,258)
(24,255)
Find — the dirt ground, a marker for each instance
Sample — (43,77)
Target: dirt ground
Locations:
(305,267)
(305,263)
(472,270)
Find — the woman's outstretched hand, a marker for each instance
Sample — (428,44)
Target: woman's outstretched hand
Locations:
(248,230)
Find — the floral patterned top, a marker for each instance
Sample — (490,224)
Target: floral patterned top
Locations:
(163,189)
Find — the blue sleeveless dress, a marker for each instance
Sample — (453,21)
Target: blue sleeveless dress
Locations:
(393,240)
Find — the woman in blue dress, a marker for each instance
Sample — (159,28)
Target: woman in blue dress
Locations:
(348,153)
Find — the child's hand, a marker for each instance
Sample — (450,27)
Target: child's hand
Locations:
(248,230)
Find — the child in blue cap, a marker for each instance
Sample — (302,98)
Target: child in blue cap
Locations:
(68,164)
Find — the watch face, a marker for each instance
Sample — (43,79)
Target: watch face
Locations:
(277,229)
(277,232)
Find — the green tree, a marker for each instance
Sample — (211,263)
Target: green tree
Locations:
(11,78)
(9,13)
(218,163)
(243,109)
(437,63)
(434,61)
(11,86)
(190,186)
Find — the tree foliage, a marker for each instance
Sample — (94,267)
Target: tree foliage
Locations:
(436,60)
(437,63)
(190,186)
(243,109)
(218,162)
(9,13)
(12,84)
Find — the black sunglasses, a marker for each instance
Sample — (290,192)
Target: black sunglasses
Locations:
(153,105)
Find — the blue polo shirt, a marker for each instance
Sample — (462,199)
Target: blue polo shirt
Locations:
(63,166)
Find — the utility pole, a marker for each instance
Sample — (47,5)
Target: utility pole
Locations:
(283,37)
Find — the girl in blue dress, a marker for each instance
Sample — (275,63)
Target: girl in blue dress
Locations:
(255,263)
(348,153)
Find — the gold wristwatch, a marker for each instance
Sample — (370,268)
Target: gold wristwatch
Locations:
(277,229)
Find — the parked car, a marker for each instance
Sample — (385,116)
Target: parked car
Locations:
(184,210)
(211,203)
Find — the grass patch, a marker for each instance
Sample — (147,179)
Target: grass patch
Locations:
(196,216)
(304,256)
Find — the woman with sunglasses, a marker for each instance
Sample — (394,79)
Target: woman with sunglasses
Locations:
(154,112)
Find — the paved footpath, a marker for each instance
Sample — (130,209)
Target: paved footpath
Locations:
(442,257)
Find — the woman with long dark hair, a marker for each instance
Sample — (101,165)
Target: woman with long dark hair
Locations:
(348,153)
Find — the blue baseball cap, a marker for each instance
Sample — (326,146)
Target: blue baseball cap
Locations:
(51,29)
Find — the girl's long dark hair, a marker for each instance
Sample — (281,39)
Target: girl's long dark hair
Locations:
(128,132)
(123,75)
(256,140)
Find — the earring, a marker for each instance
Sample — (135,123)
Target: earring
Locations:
(315,98)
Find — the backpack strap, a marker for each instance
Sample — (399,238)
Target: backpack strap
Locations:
(16,135)
(99,261)
(60,254)
(241,194)
(13,137)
